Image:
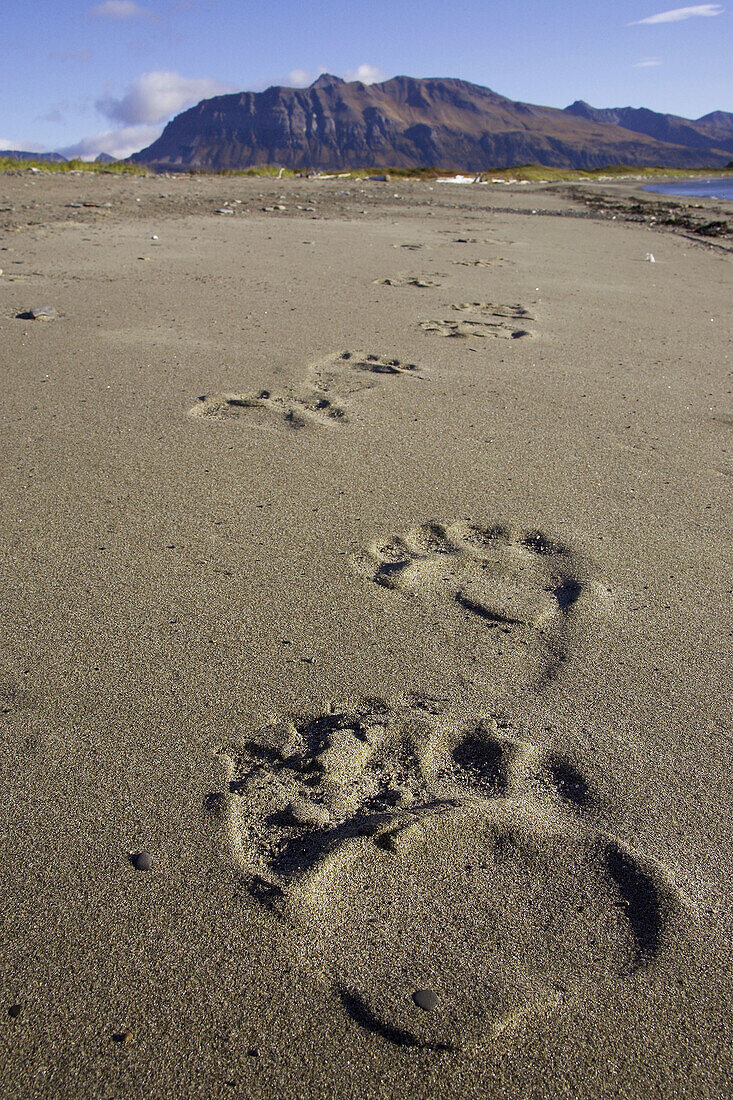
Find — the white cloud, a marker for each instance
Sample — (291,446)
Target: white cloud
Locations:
(367,74)
(118,143)
(121,9)
(675,15)
(21,146)
(155,96)
(647,63)
(299,78)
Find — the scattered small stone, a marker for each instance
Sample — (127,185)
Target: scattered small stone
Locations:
(142,861)
(14,1011)
(125,1037)
(42,313)
(224,210)
(425,999)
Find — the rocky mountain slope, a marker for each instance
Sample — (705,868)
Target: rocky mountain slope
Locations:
(23,154)
(403,123)
(711,132)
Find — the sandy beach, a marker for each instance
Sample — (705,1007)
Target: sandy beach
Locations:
(366,562)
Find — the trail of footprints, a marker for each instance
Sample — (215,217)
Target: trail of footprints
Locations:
(484,872)
(347,373)
(341,375)
(488,845)
(322,403)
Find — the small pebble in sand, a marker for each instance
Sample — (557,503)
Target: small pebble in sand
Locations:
(142,861)
(14,1011)
(425,999)
(42,313)
(125,1037)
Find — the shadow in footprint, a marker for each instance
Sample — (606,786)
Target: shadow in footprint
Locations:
(302,852)
(540,544)
(377,815)
(482,612)
(268,894)
(570,784)
(360,1013)
(640,898)
(482,761)
(567,593)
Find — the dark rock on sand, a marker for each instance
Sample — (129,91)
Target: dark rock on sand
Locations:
(142,861)
(425,999)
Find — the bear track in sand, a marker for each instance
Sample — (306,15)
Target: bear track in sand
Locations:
(410,851)
(518,591)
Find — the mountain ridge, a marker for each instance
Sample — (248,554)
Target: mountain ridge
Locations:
(435,122)
(714,128)
(24,154)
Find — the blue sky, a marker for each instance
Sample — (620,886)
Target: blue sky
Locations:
(105,75)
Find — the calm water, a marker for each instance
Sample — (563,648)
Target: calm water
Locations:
(710,189)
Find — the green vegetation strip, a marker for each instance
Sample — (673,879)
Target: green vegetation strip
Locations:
(117,168)
(535,173)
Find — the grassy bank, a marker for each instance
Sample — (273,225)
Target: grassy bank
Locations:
(534,173)
(118,167)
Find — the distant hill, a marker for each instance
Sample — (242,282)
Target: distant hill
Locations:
(105,158)
(711,132)
(20,154)
(409,123)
